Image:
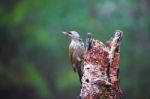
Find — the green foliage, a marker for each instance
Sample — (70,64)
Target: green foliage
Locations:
(34,53)
(66,80)
(35,79)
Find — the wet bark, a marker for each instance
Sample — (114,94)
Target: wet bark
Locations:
(100,78)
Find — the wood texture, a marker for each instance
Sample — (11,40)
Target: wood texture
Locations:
(101,70)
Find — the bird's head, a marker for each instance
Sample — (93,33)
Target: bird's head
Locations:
(72,34)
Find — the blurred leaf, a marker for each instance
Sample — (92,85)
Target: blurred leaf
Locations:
(66,79)
(35,78)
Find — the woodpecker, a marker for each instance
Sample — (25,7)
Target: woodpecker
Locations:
(76,51)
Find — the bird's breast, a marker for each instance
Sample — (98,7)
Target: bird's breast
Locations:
(77,49)
(75,45)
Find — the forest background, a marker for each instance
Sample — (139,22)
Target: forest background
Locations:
(34,62)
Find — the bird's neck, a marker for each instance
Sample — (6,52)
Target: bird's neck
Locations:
(76,40)
(74,43)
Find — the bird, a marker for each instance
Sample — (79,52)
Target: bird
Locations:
(76,52)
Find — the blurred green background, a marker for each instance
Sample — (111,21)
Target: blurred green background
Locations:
(34,61)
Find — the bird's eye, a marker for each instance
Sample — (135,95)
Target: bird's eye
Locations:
(69,33)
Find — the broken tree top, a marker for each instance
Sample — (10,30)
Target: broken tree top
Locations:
(97,66)
(100,78)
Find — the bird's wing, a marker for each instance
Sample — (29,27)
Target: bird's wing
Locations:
(82,49)
(72,58)
(71,54)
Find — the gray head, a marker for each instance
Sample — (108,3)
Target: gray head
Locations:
(72,34)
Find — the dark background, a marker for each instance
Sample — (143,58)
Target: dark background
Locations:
(34,61)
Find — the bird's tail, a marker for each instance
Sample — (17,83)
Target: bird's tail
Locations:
(79,71)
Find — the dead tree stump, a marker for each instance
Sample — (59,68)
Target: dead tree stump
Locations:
(100,78)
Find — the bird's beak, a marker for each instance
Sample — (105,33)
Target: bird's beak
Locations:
(65,33)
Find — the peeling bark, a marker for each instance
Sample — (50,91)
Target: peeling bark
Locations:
(100,78)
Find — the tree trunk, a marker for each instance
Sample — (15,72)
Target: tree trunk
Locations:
(100,78)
